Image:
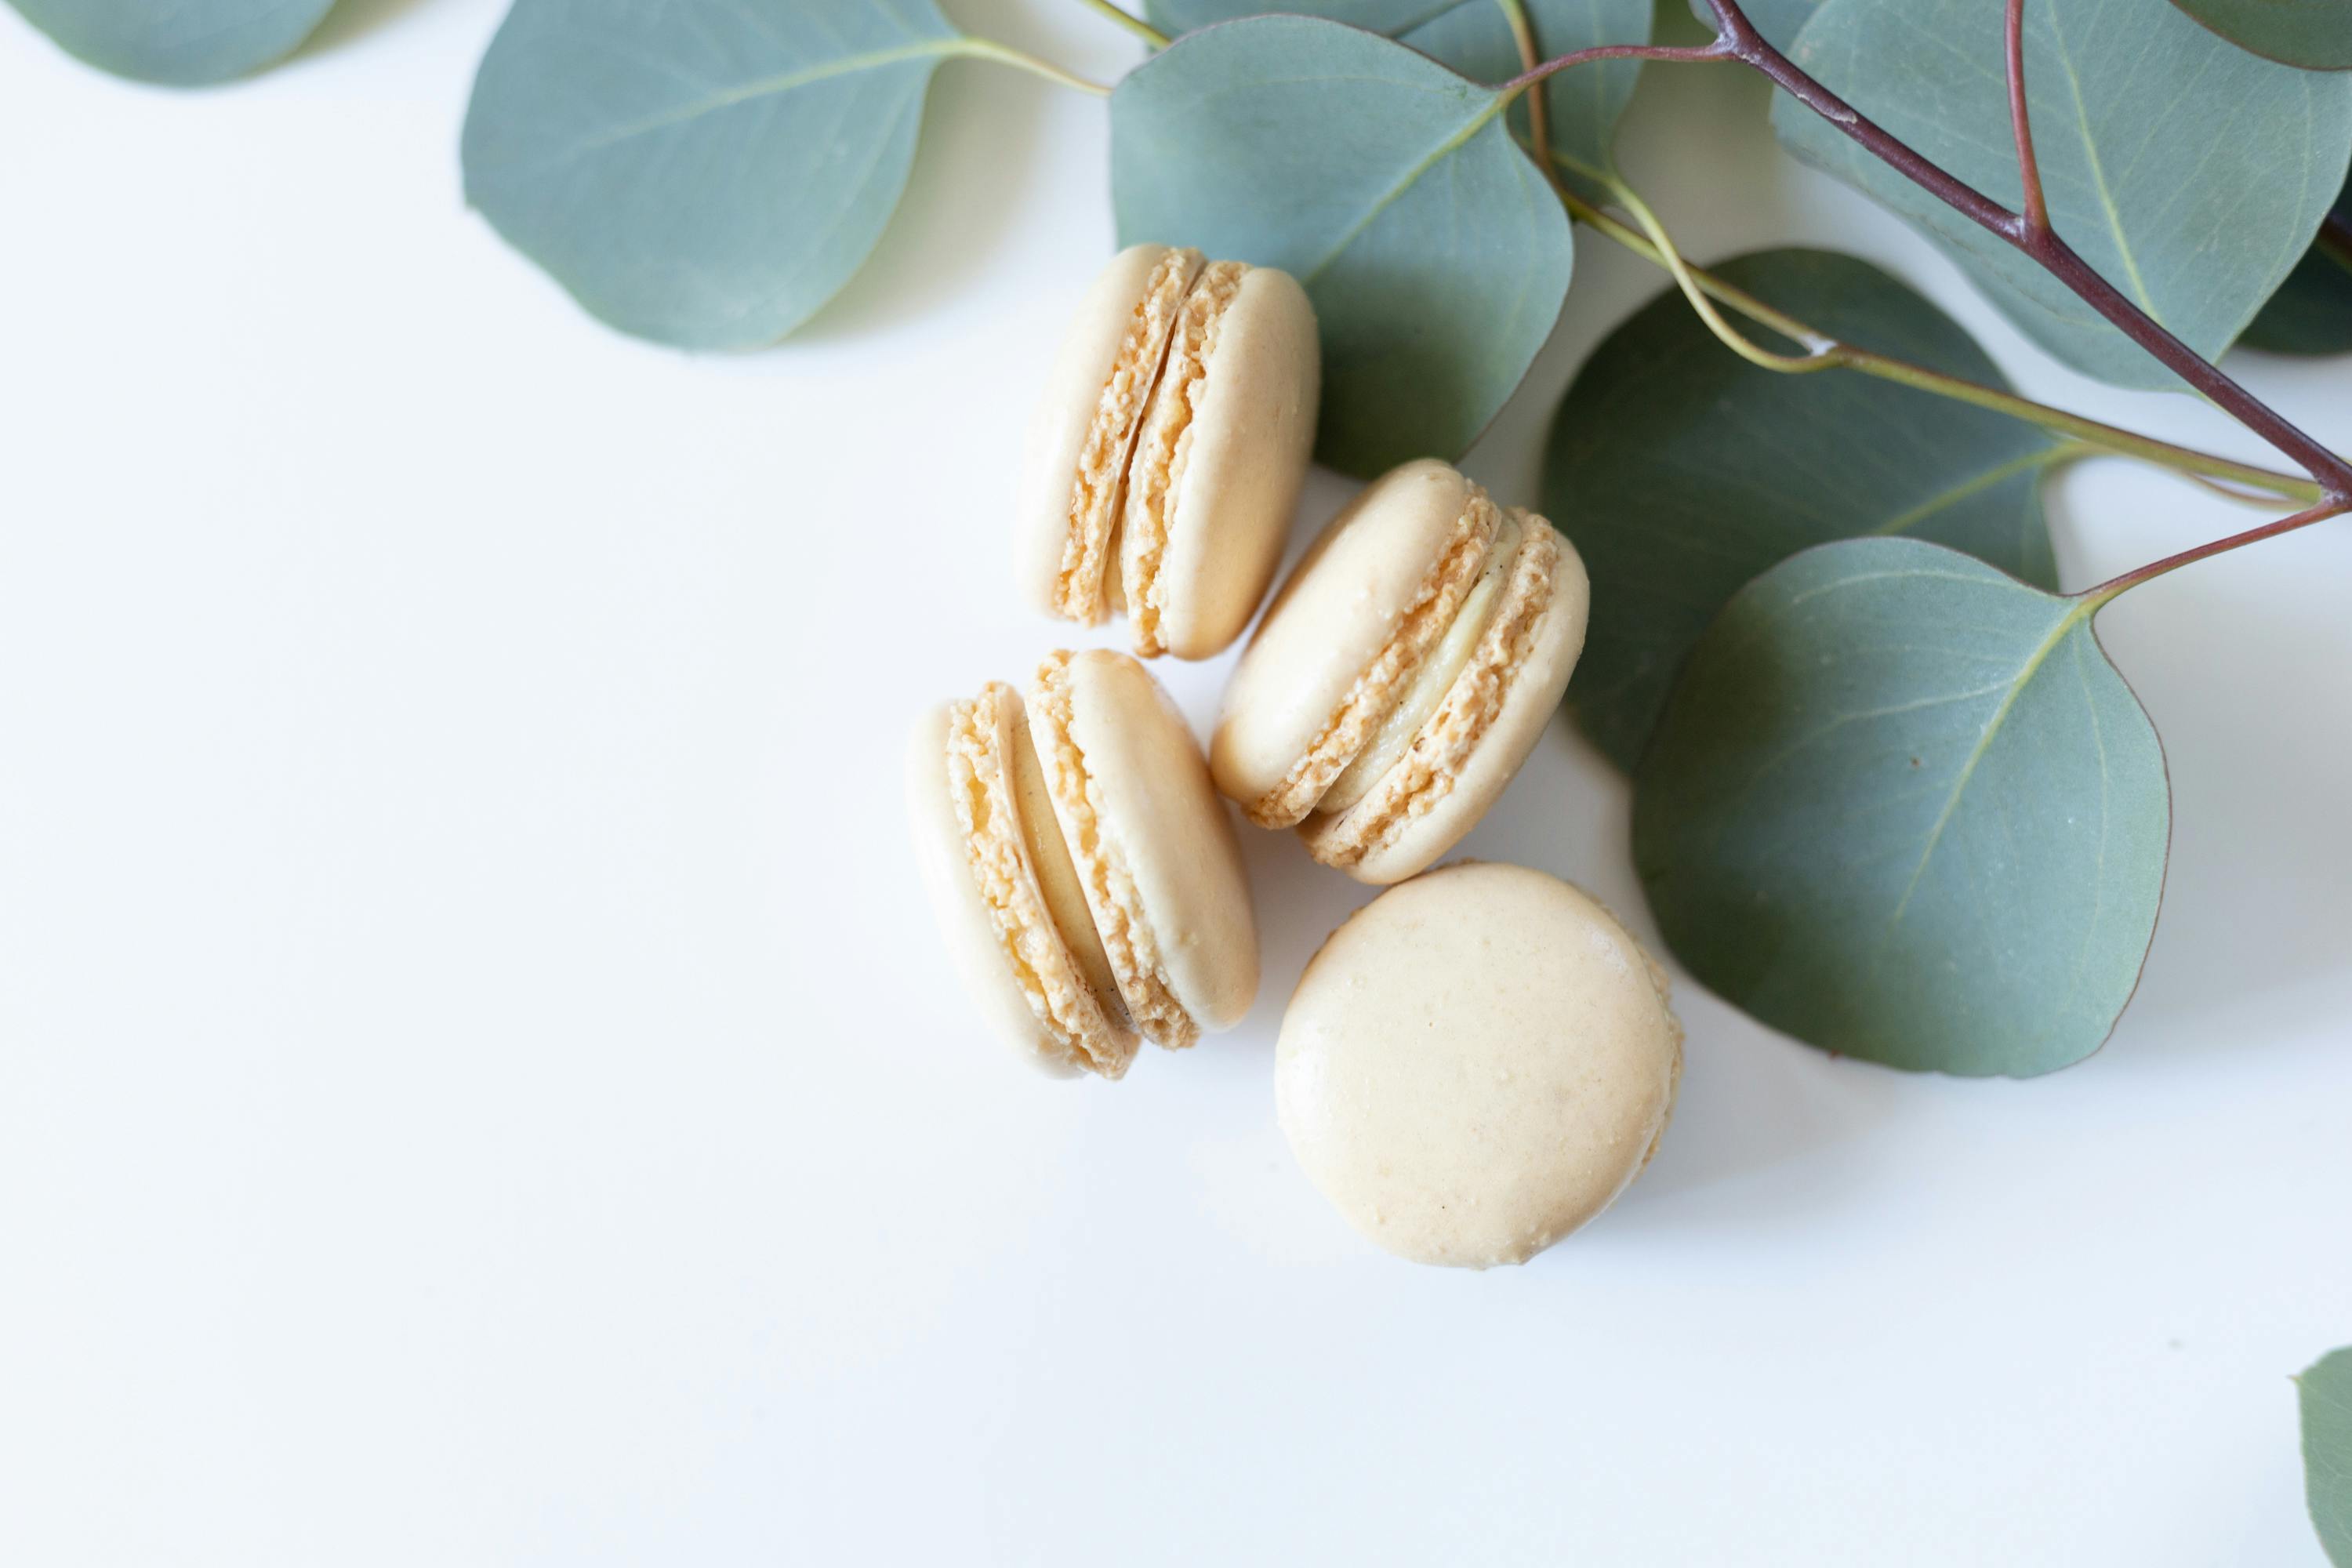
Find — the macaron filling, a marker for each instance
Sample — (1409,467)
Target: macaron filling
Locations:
(1155,475)
(1432,679)
(1376,692)
(1096,486)
(1424,775)
(1047,952)
(1108,883)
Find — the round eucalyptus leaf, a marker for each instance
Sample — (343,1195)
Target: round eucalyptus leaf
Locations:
(2313,33)
(179,43)
(1902,807)
(703,172)
(2312,311)
(1436,253)
(2190,174)
(1474,36)
(1680,470)
(2324,1391)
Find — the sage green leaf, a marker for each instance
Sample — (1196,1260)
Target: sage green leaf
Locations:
(2325,1389)
(2312,311)
(1902,807)
(2190,174)
(703,172)
(179,43)
(2313,33)
(1681,470)
(1436,253)
(1583,105)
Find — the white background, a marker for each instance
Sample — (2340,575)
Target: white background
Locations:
(477,1084)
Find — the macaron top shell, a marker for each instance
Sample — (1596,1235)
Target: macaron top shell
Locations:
(1379,584)
(1083,430)
(1154,849)
(1217,467)
(1475,1063)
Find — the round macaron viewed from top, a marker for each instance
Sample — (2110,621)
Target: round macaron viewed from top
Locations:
(1083,869)
(1477,1063)
(1402,673)
(1164,459)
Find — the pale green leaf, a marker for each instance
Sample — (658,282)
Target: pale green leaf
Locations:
(704,172)
(180,43)
(1436,253)
(1474,36)
(2325,1389)
(1680,470)
(2313,33)
(2312,311)
(1901,806)
(2190,174)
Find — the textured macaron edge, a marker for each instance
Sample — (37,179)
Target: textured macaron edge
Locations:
(1108,880)
(979,733)
(1383,684)
(1074,491)
(1397,829)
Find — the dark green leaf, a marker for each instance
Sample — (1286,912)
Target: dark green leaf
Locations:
(181,43)
(1681,470)
(1475,37)
(1902,807)
(2325,1392)
(2312,311)
(1436,253)
(2189,173)
(2313,33)
(704,172)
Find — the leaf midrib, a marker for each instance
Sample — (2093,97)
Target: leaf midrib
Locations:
(1412,176)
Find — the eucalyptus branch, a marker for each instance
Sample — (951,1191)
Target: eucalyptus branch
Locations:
(2020,123)
(1831,352)
(2334,506)
(1693,54)
(1738,38)
(979,49)
(1133,24)
(1522,35)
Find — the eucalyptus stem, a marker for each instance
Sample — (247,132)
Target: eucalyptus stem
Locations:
(2094,598)
(1132,23)
(1825,350)
(1005,55)
(1522,35)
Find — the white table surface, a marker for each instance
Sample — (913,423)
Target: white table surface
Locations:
(477,1084)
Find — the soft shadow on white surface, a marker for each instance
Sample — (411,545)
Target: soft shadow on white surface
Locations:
(357,22)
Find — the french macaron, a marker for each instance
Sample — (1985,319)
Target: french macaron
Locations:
(1477,1063)
(1402,673)
(1083,869)
(1164,460)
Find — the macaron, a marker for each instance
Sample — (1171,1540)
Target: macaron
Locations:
(1477,1063)
(1164,460)
(1083,869)
(1403,674)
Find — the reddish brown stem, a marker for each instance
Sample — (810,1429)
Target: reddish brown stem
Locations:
(2020,123)
(1740,41)
(2334,506)
(1534,74)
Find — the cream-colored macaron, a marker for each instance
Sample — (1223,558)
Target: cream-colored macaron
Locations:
(1402,673)
(1084,871)
(1164,460)
(1477,1063)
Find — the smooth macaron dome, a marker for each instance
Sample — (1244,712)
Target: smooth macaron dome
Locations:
(1477,1063)
(1085,873)
(1165,457)
(1403,673)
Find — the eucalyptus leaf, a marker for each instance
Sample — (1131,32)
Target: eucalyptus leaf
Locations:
(1680,470)
(2324,1391)
(179,43)
(2312,311)
(1582,106)
(703,172)
(2313,33)
(1436,253)
(1902,807)
(2190,174)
